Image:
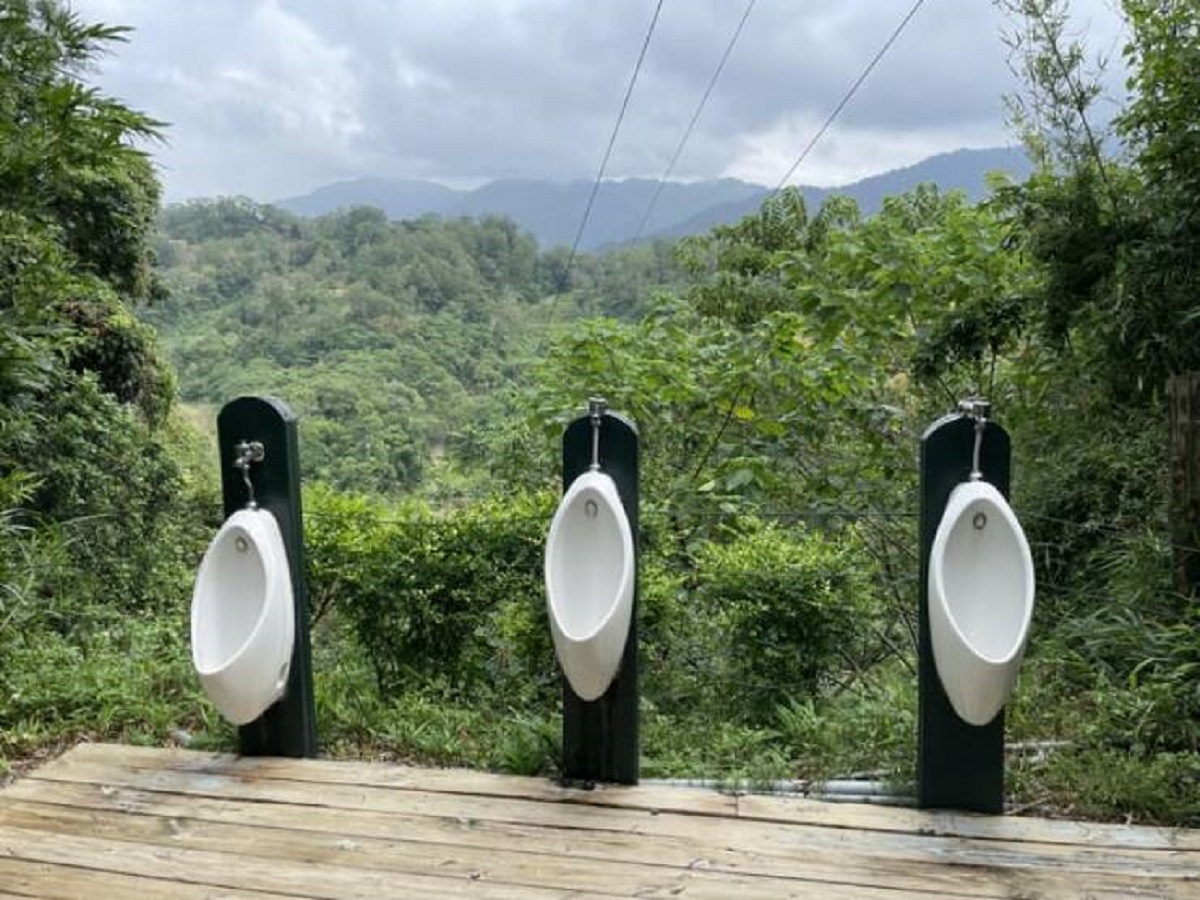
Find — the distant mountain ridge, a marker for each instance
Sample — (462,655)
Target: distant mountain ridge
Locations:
(551,210)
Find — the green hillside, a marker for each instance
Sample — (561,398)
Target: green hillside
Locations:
(393,340)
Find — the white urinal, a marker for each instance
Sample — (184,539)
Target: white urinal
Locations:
(243,620)
(981,590)
(589,582)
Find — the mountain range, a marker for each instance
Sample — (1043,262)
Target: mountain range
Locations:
(551,210)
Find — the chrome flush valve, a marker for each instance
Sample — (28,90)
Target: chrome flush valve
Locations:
(978,409)
(597,407)
(975,407)
(248,453)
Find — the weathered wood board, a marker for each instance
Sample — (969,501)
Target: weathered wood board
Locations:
(115,821)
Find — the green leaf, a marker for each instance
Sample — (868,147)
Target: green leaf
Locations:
(740,478)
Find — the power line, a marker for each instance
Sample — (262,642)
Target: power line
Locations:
(858,82)
(854,87)
(587,211)
(712,83)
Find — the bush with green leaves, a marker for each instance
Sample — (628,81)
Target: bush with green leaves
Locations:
(453,598)
(115,488)
(793,606)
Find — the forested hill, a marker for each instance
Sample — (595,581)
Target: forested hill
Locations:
(386,336)
(550,210)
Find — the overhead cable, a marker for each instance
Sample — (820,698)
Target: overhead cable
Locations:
(712,83)
(587,211)
(849,95)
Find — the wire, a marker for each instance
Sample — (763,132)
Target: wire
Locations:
(854,87)
(858,83)
(712,83)
(587,211)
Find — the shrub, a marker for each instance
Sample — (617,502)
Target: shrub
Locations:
(454,598)
(116,490)
(792,605)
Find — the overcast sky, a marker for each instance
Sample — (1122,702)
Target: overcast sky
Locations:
(271,98)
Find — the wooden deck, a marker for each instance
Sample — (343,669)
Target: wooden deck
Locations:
(108,821)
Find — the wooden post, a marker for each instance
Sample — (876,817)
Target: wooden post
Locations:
(600,737)
(1183,393)
(289,726)
(959,765)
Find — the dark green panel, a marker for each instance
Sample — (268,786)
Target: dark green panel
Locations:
(289,727)
(959,765)
(600,737)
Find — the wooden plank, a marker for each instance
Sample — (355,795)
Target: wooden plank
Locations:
(397,777)
(245,785)
(709,852)
(497,831)
(986,868)
(748,834)
(865,817)
(568,859)
(34,879)
(512,867)
(302,879)
(752,846)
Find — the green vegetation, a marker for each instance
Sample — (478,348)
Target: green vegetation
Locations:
(781,371)
(391,338)
(99,516)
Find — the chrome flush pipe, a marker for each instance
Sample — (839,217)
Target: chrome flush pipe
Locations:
(248,453)
(978,409)
(597,407)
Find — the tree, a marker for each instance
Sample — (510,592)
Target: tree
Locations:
(85,391)
(1159,300)
(68,153)
(1116,242)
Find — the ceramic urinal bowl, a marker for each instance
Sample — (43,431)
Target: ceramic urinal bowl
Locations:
(243,621)
(589,583)
(980,600)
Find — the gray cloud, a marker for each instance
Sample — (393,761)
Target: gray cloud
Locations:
(273,97)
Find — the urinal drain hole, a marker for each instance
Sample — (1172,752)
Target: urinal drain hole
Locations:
(590,509)
(241,544)
(980,521)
